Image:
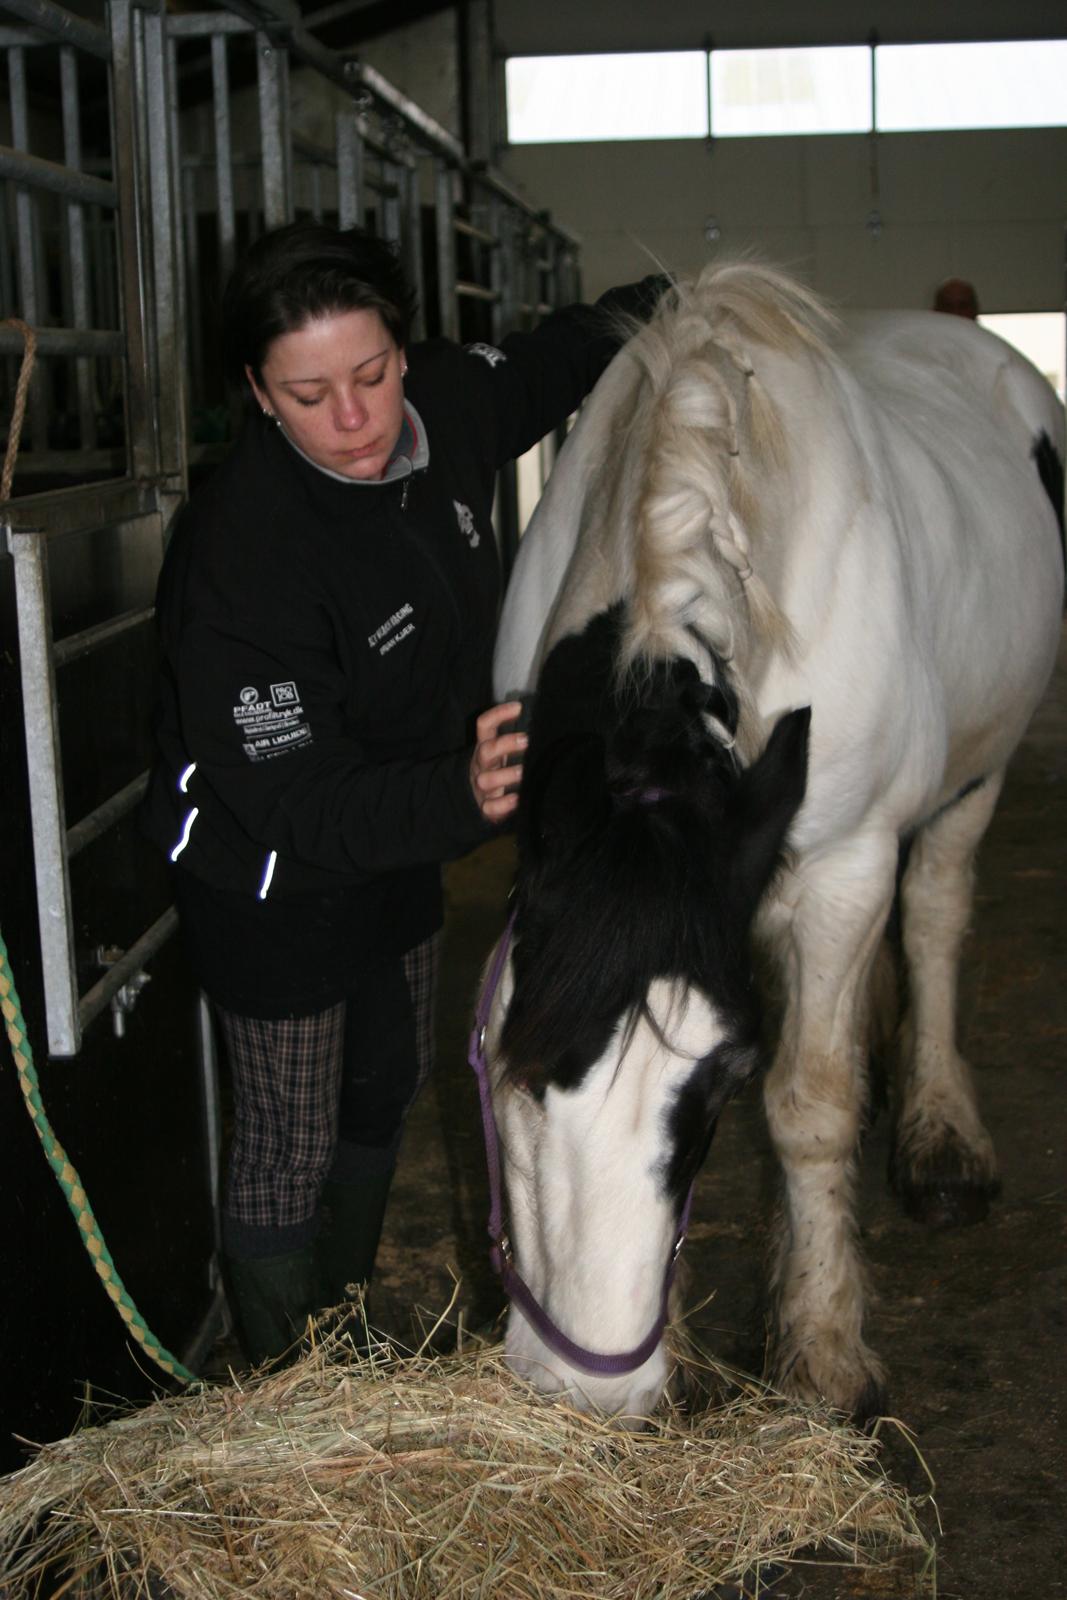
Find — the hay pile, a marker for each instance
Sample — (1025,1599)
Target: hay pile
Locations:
(380,1478)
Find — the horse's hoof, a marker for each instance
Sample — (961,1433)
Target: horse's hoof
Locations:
(948,1188)
(855,1390)
(946,1205)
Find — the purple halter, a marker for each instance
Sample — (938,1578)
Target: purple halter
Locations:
(500,1251)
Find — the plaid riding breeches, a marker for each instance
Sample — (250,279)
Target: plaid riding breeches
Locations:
(302,1084)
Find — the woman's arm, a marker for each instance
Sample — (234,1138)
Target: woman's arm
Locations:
(266,727)
(534,381)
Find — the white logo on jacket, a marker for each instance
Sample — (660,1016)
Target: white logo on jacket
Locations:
(488,352)
(271,727)
(390,630)
(465,518)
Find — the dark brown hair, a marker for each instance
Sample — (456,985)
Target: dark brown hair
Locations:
(302,271)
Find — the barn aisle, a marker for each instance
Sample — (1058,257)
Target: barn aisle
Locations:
(970,1321)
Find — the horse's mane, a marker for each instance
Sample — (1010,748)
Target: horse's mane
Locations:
(707,432)
(636,815)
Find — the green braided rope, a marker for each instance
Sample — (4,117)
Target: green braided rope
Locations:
(70,1182)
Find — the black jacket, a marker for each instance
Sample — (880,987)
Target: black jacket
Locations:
(327,644)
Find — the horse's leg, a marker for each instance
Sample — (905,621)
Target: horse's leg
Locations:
(815,1099)
(943,1166)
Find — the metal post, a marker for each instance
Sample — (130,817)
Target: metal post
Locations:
(350,173)
(412,204)
(178,199)
(27,243)
(169,347)
(76,247)
(192,301)
(505,269)
(273,80)
(29,551)
(444,220)
(128,105)
(390,202)
(220,105)
(478,81)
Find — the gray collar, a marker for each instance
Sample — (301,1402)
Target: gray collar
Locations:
(410,454)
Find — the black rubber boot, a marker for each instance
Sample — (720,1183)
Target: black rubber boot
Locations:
(271,1298)
(352,1216)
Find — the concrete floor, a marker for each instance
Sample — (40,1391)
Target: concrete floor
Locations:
(971,1322)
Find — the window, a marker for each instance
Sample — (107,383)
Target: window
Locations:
(824,90)
(564,99)
(1020,84)
(791,91)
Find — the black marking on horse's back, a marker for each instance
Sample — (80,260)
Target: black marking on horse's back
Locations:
(1050,471)
(643,850)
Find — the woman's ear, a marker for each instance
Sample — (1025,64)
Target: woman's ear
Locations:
(262,399)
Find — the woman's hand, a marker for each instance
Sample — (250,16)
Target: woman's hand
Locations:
(494,783)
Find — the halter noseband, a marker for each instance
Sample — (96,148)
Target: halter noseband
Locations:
(500,1251)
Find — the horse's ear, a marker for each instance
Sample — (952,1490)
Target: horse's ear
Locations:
(767,798)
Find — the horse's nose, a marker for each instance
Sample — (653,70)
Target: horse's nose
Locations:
(629,1399)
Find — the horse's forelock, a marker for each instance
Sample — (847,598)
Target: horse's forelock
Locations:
(626,849)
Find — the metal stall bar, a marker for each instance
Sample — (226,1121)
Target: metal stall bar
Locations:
(128,107)
(412,246)
(34,171)
(181,281)
(54,845)
(63,25)
(127,966)
(464,287)
(65,342)
(351,179)
(27,239)
(168,364)
(390,199)
(272,66)
(477,291)
(105,816)
(87,640)
(29,552)
(191,274)
(51,22)
(445,226)
(79,285)
(224,192)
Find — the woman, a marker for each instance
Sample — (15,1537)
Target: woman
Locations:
(327,608)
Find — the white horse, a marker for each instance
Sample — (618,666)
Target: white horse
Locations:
(762,521)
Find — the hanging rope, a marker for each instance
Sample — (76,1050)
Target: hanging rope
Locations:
(29,354)
(10,1006)
(70,1182)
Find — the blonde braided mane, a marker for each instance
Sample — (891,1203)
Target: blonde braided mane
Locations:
(707,431)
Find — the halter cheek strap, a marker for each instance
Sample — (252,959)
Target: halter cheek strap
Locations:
(500,1251)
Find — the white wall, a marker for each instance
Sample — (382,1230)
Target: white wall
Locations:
(988,206)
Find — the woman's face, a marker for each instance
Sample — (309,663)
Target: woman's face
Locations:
(335,386)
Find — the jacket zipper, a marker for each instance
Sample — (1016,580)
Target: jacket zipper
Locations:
(422,549)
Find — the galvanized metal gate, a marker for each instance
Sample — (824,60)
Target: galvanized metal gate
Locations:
(145,151)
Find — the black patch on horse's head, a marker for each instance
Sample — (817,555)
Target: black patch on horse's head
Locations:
(643,850)
(692,1118)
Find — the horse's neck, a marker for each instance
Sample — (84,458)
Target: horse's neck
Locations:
(702,528)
